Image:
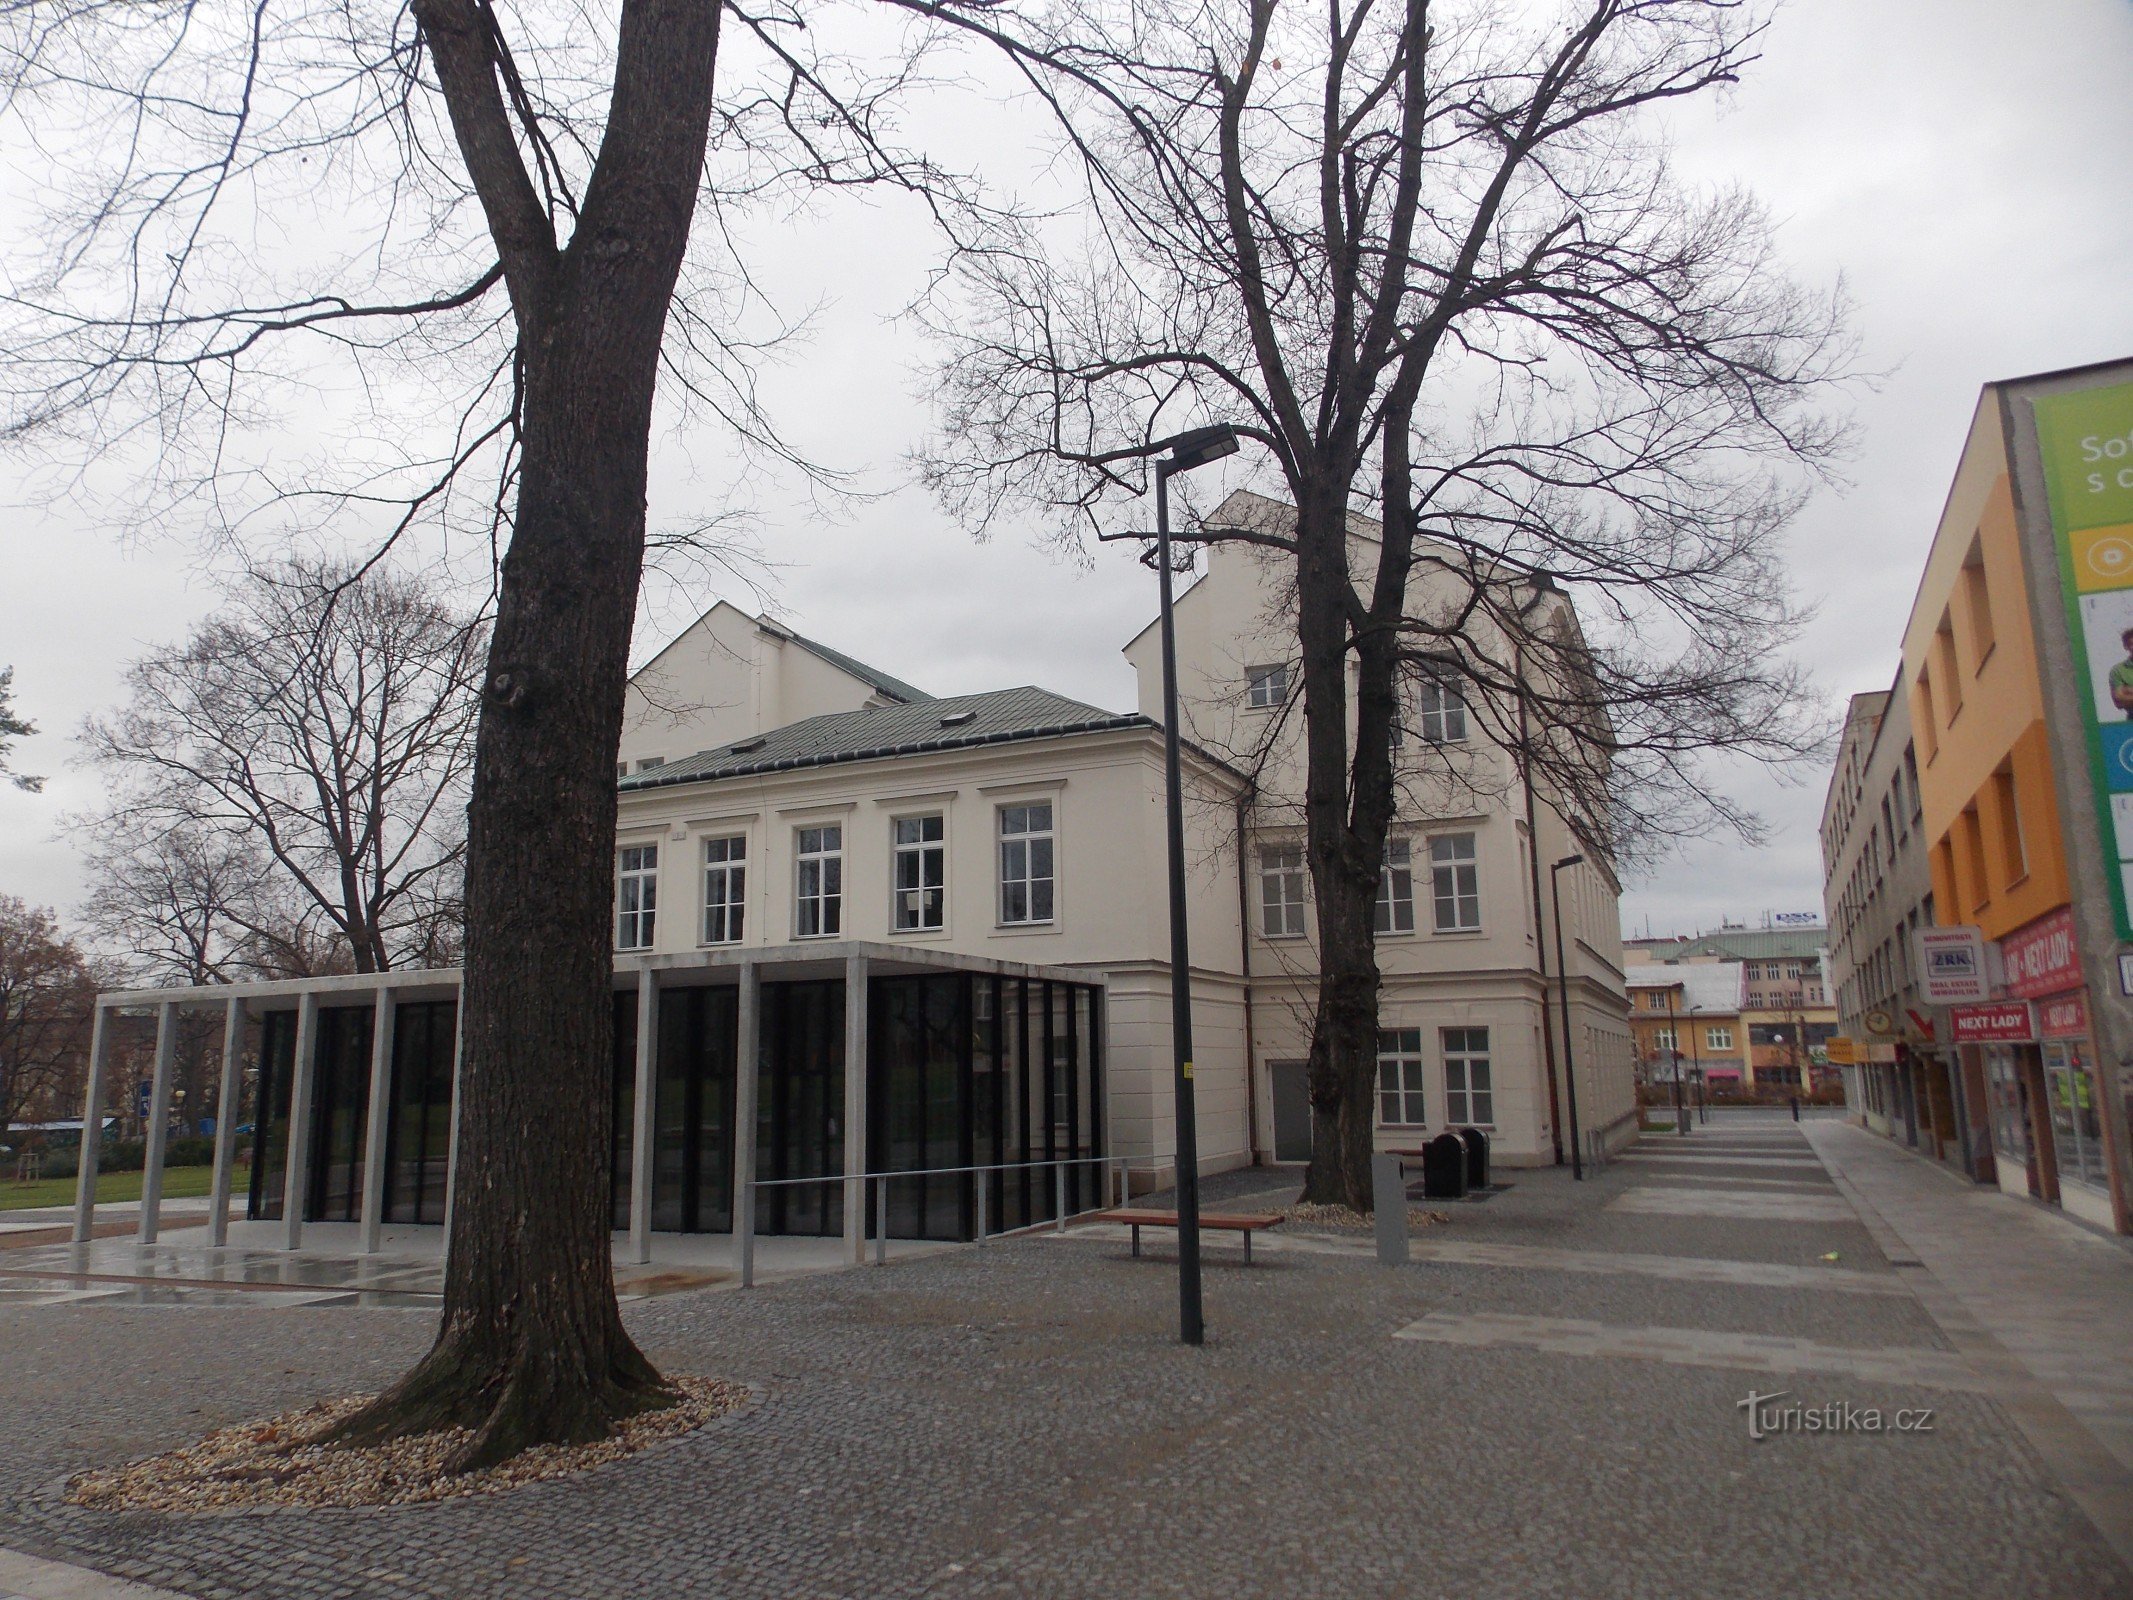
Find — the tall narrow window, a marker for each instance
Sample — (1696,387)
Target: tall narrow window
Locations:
(1440,711)
(1977,599)
(1455,882)
(636,896)
(1267,686)
(1026,882)
(818,904)
(1396,889)
(921,874)
(725,888)
(1400,1098)
(2009,806)
(1282,889)
(1468,1096)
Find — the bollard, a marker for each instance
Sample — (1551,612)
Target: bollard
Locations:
(1388,1201)
(1059,1199)
(881,1221)
(1795,1108)
(984,1181)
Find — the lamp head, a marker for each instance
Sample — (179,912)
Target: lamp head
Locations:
(1567,861)
(1200,446)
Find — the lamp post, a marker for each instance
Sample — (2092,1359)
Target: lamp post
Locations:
(1562,978)
(1186,451)
(1673,1050)
(1696,1059)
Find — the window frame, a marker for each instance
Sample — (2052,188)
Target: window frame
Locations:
(828,897)
(1027,878)
(1395,872)
(643,877)
(1717,1036)
(1410,1092)
(1286,874)
(1267,686)
(920,851)
(1450,709)
(1471,863)
(732,873)
(1468,1095)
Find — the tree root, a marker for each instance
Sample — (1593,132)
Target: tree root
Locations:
(509,1400)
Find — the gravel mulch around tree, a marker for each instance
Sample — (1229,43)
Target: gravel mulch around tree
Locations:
(274,1461)
(1346,1220)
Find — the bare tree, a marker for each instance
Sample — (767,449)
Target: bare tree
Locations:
(47,991)
(310,743)
(12,728)
(506,196)
(1431,258)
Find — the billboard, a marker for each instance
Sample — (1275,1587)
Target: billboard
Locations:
(1951,965)
(2086,439)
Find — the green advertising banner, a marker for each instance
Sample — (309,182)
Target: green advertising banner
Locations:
(2087,443)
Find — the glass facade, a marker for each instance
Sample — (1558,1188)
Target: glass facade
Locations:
(964,1070)
(2077,1126)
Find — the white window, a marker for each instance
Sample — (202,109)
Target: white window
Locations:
(1662,1038)
(1718,1038)
(1282,889)
(1026,866)
(725,888)
(650,763)
(1400,1099)
(1440,711)
(636,896)
(921,898)
(818,904)
(1267,686)
(1468,1097)
(1396,889)
(1455,882)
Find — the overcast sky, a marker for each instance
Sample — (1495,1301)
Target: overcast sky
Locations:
(1962,163)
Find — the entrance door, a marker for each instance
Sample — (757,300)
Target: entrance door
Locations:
(1292,1110)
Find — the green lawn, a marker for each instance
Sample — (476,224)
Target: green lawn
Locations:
(179,1183)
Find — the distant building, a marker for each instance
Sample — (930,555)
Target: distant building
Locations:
(1686,1017)
(1786,1018)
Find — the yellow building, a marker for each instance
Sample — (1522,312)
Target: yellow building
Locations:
(1991,811)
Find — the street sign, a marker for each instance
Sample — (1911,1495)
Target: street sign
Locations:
(1951,962)
(142,1096)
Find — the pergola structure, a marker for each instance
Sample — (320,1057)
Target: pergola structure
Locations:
(997,999)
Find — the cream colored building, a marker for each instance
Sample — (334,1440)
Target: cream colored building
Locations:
(768,748)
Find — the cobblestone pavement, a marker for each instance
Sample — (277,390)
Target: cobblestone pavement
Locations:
(1019,1421)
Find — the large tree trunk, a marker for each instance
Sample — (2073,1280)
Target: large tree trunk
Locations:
(532,1349)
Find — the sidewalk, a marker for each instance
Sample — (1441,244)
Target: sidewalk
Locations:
(2025,1293)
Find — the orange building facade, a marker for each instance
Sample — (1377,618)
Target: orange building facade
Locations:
(1993,821)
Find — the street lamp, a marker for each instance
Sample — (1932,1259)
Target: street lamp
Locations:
(1673,1048)
(1696,1059)
(1186,451)
(1562,977)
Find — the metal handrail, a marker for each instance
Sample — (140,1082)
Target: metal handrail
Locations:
(745,1232)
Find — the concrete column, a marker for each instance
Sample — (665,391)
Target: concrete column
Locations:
(855,1109)
(746,1062)
(157,1141)
(377,1117)
(92,1132)
(451,1143)
(641,1116)
(303,1071)
(227,1101)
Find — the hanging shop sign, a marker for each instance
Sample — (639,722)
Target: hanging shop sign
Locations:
(2039,957)
(1952,964)
(1993,1022)
(1843,1051)
(2063,1016)
(2086,439)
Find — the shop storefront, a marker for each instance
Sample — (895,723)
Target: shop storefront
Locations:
(2042,967)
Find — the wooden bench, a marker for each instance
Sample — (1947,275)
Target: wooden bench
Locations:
(1244,1222)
